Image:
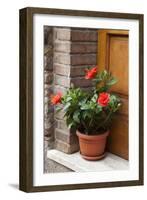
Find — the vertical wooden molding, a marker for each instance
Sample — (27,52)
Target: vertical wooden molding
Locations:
(26,101)
(102,47)
(141,99)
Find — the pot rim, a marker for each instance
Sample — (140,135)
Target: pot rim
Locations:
(92,137)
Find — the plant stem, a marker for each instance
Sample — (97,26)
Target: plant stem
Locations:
(90,121)
(85,127)
(92,117)
(107,118)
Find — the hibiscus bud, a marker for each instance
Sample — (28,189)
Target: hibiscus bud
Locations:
(91,73)
(119,105)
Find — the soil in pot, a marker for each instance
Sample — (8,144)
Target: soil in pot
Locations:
(92,147)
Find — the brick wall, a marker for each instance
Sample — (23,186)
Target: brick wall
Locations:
(73,50)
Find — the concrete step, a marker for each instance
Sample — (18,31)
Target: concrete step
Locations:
(76,163)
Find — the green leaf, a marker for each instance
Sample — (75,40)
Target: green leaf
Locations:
(76,116)
(68,99)
(86,115)
(82,102)
(97,80)
(111,82)
(104,74)
(71,125)
(85,107)
(58,109)
(114,103)
(94,98)
(67,105)
(98,109)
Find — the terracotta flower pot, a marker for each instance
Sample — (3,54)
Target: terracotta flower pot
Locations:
(92,147)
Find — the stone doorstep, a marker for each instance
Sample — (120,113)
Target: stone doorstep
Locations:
(76,163)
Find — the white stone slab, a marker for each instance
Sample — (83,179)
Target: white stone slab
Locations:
(78,164)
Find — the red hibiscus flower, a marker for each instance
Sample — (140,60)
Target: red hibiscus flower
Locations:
(56,98)
(103,98)
(91,73)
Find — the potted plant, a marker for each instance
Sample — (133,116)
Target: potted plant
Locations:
(90,113)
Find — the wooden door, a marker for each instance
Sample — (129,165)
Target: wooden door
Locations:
(113,56)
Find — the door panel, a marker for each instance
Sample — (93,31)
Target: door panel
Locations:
(118,139)
(113,56)
(124,108)
(118,62)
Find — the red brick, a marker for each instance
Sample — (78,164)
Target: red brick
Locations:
(83,59)
(83,47)
(84,35)
(71,71)
(78,70)
(81,82)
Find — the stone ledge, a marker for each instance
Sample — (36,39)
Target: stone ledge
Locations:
(76,163)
